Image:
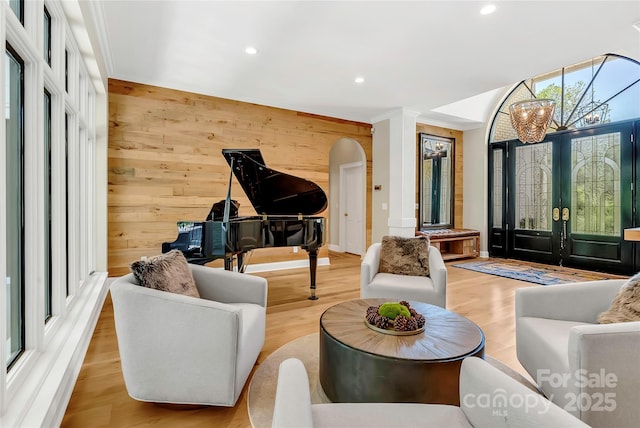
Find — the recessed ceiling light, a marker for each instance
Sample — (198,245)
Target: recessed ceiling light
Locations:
(250,50)
(359,79)
(488,9)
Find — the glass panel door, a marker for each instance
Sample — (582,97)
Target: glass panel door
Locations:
(531,196)
(569,199)
(595,184)
(596,202)
(498,195)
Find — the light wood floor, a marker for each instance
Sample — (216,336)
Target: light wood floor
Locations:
(100,399)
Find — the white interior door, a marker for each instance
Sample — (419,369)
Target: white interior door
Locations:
(351,196)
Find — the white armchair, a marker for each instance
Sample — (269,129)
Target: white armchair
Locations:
(489,398)
(184,350)
(428,289)
(587,368)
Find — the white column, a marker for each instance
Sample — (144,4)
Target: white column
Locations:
(395,154)
(402,173)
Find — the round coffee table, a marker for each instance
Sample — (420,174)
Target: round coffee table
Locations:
(360,365)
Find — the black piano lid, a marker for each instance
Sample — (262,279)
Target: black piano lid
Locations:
(272,192)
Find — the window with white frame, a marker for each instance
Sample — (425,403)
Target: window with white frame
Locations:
(48,267)
(14,204)
(17,6)
(47,36)
(47,169)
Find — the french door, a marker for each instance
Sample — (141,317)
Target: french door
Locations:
(566,200)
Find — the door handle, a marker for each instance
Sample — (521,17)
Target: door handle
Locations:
(565,219)
(556,214)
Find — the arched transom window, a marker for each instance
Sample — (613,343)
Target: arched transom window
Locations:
(605,89)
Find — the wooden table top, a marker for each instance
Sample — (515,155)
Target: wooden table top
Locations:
(447,335)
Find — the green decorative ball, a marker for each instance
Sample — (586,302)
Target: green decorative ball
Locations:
(392,309)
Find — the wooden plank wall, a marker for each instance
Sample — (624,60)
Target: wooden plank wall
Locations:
(458,166)
(165,162)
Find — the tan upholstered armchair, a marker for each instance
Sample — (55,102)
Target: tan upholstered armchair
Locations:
(429,289)
(589,369)
(187,350)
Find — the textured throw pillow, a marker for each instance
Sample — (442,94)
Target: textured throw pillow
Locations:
(626,305)
(404,256)
(166,272)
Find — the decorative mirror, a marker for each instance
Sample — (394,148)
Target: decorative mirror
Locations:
(436,181)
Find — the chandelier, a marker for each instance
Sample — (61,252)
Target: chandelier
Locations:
(593,113)
(531,118)
(438,151)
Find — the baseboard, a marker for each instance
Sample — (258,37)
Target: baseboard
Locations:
(289,264)
(61,361)
(336,248)
(484,254)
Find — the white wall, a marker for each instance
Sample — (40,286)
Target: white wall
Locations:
(380,176)
(475,191)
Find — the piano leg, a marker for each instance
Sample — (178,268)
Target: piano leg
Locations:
(313,264)
(241,265)
(228,263)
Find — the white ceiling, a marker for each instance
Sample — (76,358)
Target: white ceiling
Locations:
(442,59)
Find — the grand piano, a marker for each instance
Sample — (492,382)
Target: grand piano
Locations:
(285,204)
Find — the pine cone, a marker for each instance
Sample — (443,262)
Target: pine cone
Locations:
(372,309)
(420,320)
(412,324)
(381,322)
(413,312)
(405,304)
(400,323)
(371,318)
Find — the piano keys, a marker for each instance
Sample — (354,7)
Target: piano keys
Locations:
(286,207)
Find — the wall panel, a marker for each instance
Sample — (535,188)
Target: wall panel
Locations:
(165,162)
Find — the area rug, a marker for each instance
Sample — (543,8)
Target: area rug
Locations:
(536,273)
(262,389)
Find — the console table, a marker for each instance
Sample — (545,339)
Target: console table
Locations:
(454,243)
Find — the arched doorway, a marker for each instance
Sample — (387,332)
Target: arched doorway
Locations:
(347,197)
(568,199)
